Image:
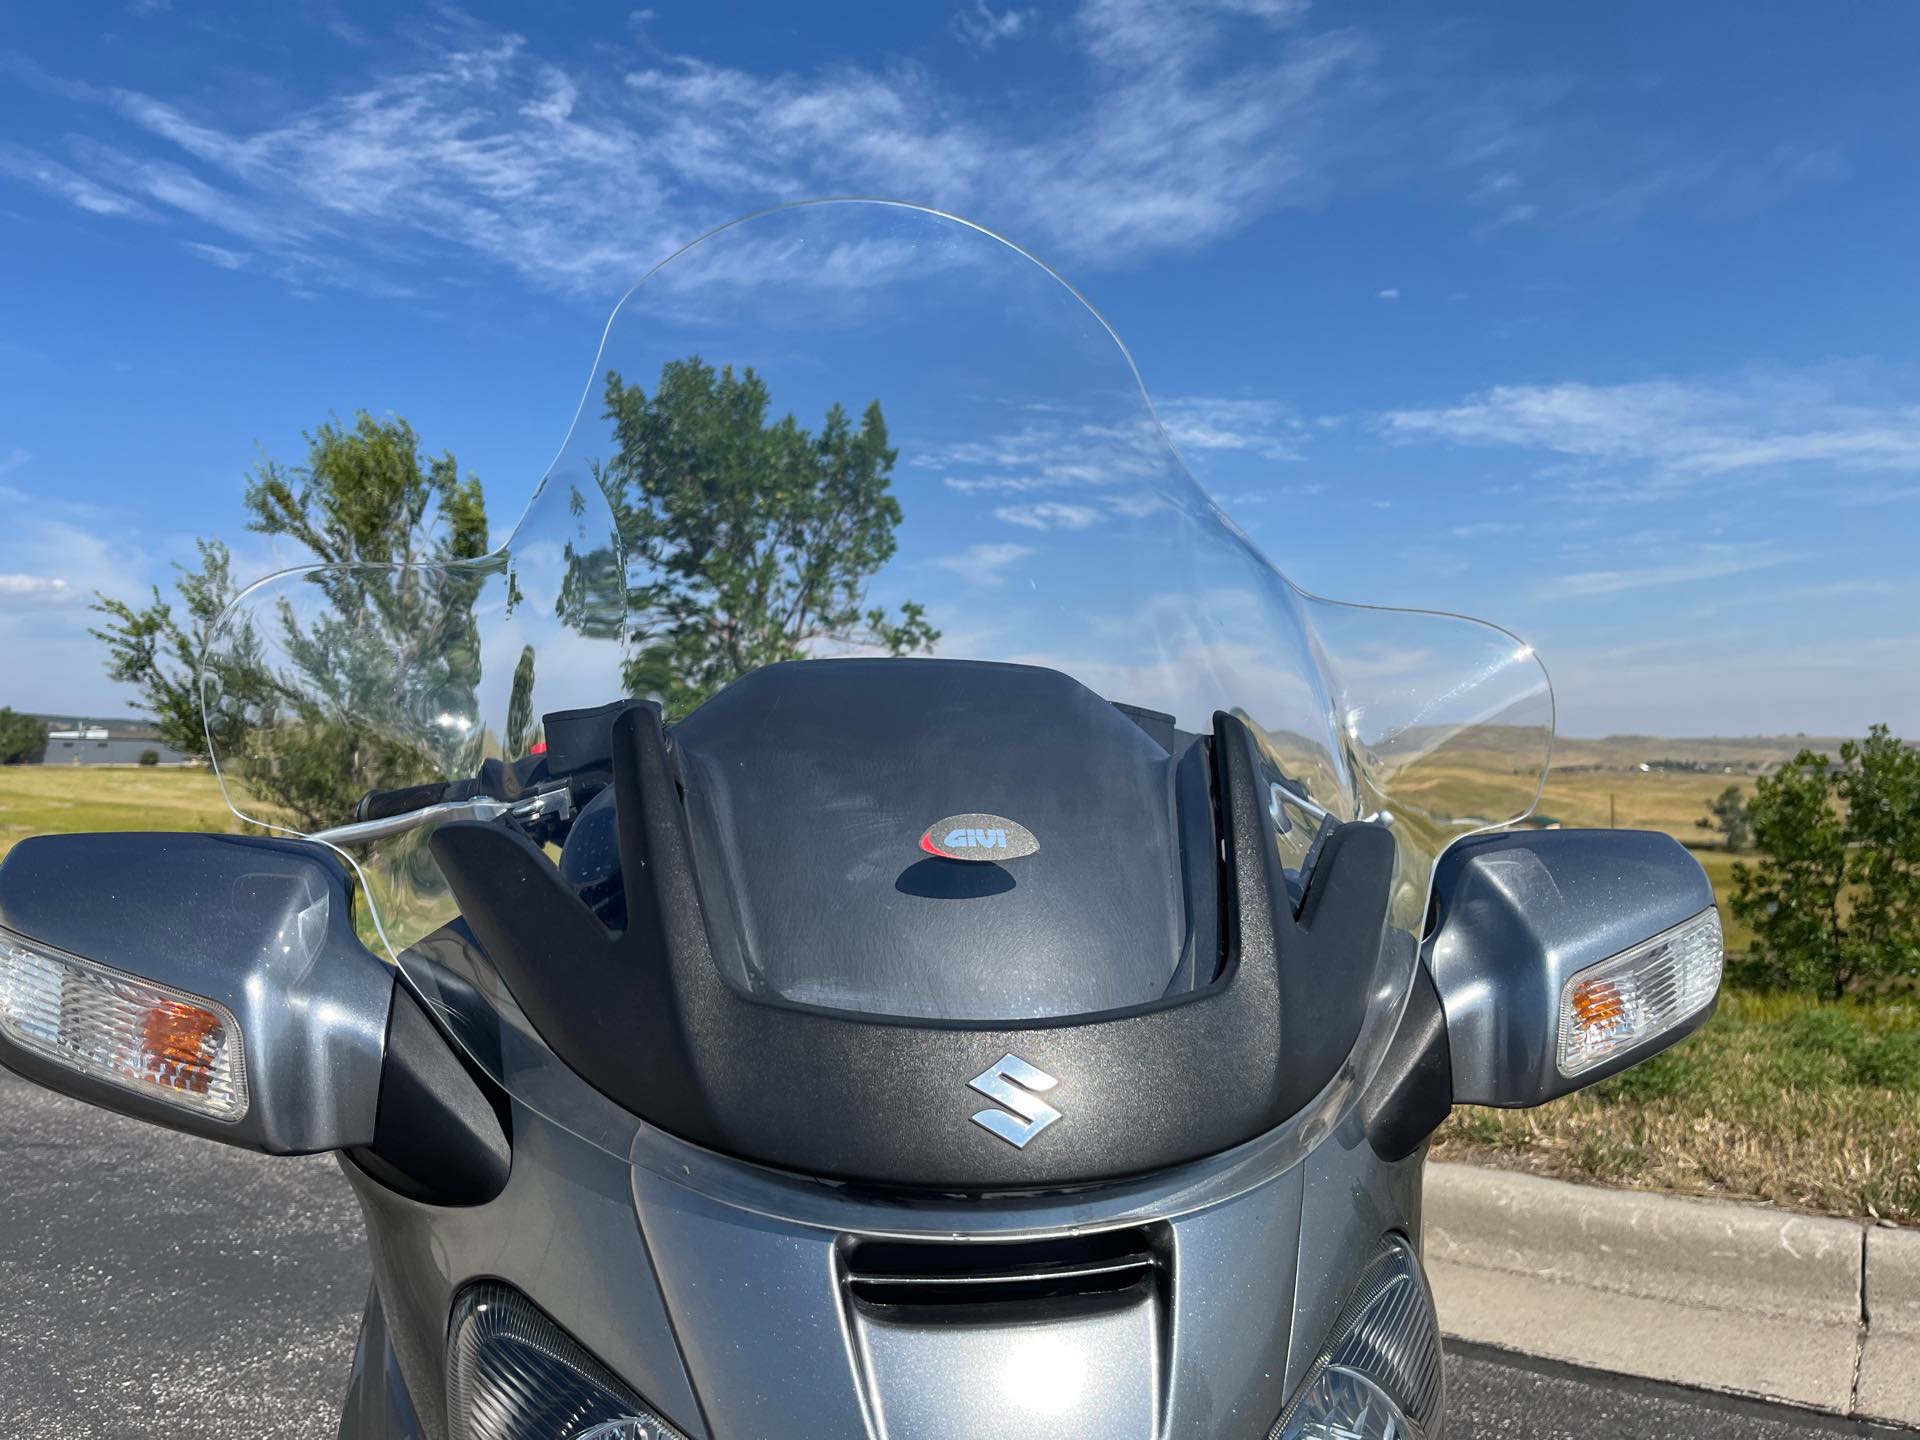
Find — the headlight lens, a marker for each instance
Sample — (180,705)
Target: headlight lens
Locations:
(1344,1405)
(1379,1377)
(512,1374)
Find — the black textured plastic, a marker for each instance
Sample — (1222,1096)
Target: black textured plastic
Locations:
(808,789)
(1412,1095)
(647,1017)
(438,1135)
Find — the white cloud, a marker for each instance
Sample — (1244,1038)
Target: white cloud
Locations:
(1194,117)
(1388,295)
(17,587)
(51,176)
(984,564)
(983,27)
(1049,515)
(1207,422)
(1682,432)
(1688,564)
(217,255)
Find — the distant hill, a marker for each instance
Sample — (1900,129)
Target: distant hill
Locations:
(1752,754)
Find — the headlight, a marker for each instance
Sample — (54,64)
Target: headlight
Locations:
(1379,1376)
(1345,1405)
(512,1374)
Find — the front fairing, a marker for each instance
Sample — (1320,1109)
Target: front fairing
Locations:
(1043,518)
(746,1316)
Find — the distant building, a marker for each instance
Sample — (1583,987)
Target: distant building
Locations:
(87,742)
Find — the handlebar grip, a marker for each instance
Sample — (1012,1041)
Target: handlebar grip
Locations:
(381,804)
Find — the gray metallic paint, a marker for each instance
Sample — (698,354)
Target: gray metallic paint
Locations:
(686,1295)
(1520,913)
(262,927)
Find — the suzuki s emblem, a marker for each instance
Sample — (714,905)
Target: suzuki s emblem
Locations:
(978,837)
(1012,1082)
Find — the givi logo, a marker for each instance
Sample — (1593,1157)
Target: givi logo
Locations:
(979,837)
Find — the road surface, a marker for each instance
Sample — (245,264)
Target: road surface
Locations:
(154,1286)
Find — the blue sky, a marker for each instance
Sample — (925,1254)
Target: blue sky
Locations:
(1599,322)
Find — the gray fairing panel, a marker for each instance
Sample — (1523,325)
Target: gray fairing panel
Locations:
(564,1232)
(737,1323)
(775,1349)
(378,1406)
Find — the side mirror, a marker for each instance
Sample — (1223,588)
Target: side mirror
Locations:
(1564,956)
(209,983)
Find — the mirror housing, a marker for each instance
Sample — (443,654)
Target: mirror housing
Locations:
(1546,938)
(260,928)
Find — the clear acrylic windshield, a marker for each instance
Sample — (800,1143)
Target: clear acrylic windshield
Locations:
(861,428)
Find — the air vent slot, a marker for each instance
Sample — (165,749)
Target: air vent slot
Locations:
(901,1275)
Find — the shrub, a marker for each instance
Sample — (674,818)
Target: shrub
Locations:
(149,757)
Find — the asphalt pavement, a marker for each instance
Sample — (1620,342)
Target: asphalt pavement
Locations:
(154,1286)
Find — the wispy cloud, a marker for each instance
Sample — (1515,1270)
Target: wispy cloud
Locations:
(44,173)
(984,564)
(217,255)
(1677,433)
(14,586)
(1049,515)
(1190,118)
(1206,423)
(1700,562)
(984,27)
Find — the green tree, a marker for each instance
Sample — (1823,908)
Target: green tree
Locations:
(520,726)
(312,695)
(22,737)
(1834,899)
(748,540)
(1727,817)
(159,650)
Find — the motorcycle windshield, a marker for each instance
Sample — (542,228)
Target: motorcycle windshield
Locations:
(855,428)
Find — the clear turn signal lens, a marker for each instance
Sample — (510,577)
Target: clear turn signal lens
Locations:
(1639,994)
(133,1033)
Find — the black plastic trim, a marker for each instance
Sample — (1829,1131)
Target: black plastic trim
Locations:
(439,1136)
(647,1018)
(1412,1095)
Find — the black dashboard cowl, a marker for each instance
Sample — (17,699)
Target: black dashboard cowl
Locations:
(649,1017)
(809,787)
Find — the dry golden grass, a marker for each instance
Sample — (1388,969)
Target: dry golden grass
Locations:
(1670,800)
(61,799)
(1812,1106)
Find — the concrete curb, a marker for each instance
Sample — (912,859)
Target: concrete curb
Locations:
(1732,1297)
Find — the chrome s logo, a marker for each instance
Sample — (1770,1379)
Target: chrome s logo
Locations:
(977,836)
(1018,1085)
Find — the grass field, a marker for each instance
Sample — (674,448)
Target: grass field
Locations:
(1808,1105)
(53,799)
